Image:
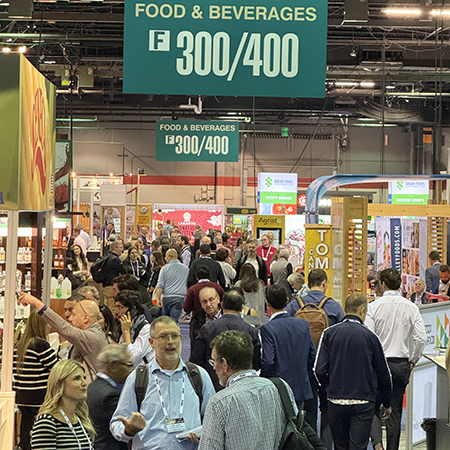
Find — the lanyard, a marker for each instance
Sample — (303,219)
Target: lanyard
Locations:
(69,423)
(136,274)
(250,374)
(158,388)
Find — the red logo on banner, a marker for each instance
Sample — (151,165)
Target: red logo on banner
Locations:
(38,136)
(301,200)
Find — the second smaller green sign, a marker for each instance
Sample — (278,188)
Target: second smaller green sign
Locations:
(185,140)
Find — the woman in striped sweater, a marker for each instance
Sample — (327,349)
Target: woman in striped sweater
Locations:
(63,422)
(33,360)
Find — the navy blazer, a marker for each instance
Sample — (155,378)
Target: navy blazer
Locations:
(289,353)
(432,278)
(102,399)
(201,351)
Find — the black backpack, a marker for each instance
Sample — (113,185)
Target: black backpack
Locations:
(97,269)
(141,382)
(294,438)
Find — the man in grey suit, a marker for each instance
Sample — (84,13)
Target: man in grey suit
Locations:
(432,273)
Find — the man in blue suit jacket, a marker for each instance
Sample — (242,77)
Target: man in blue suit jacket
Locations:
(432,273)
(288,348)
(231,319)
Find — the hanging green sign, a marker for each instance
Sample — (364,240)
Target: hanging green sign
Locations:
(196,140)
(226,47)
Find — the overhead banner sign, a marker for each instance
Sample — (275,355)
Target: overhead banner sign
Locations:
(226,47)
(195,140)
(277,193)
(409,192)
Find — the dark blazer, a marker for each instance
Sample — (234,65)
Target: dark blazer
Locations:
(423,298)
(201,351)
(289,353)
(262,275)
(102,400)
(215,271)
(432,278)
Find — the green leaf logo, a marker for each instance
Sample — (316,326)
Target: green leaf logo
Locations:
(400,185)
(268,182)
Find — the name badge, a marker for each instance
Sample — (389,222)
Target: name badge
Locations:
(175,425)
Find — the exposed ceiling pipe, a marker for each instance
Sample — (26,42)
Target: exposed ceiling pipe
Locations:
(196,108)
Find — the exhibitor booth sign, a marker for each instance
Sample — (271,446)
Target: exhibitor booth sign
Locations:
(196,140)
(226,47)
(277,193)
(409,192)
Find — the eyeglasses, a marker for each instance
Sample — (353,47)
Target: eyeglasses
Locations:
(165,337)
(81,306)
(210,299)
(213,361)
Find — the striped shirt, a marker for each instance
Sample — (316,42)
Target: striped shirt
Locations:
(30,383)
(50,433)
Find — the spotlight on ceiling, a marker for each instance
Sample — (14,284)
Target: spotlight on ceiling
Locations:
(354,51)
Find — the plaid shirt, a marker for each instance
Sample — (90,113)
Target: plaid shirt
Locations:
(247,414)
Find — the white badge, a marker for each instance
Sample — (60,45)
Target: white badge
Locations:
(175,425)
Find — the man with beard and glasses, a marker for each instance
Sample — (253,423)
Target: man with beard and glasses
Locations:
(252,258)
(444,278)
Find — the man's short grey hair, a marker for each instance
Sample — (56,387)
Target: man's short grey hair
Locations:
(218,240)
(93,289)
(296,278)
(113,354)
(284,253)
(79,227)
(114,245)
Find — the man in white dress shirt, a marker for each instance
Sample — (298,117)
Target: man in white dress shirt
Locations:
(395,320)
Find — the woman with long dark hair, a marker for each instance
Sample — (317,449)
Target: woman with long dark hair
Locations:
(33,361)
(134,328)
(78,267)
(136,267)
(108,323)
(157,261)
(63,421)
(253,289)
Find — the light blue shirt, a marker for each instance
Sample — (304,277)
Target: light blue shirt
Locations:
(155,436)
(173,279)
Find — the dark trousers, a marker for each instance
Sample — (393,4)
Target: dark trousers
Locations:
(26,425)
(400,371)
(350,425)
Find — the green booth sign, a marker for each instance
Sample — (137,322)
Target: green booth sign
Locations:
(197,140)
(226,47)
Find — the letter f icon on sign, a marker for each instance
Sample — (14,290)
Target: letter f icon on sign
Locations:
(159,40)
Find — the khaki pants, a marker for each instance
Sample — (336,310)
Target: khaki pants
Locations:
(108,297)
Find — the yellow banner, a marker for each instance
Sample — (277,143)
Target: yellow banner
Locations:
(144,215)
(37,139)
(318,250)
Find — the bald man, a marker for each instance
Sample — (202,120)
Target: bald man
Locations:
(83,331)
(172,284)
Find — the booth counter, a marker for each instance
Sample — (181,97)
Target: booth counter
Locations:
(428,389)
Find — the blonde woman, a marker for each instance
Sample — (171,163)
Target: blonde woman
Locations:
(33,361)
(63,421)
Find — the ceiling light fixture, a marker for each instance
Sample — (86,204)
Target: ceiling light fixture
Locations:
(6,50)
(440,12)
(403,11)
(22,49)
(354,51)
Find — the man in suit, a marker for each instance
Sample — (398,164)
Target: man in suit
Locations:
(252,258)
(103,393)
(288,348)
(232,303)
(215,270)
(432,273)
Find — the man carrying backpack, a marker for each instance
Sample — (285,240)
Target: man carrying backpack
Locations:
(248,414)
(171,404)
(317,283)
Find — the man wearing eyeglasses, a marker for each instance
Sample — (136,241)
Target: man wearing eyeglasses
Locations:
(83,331)
(170,405)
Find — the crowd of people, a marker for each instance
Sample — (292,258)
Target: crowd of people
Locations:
(118,381)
